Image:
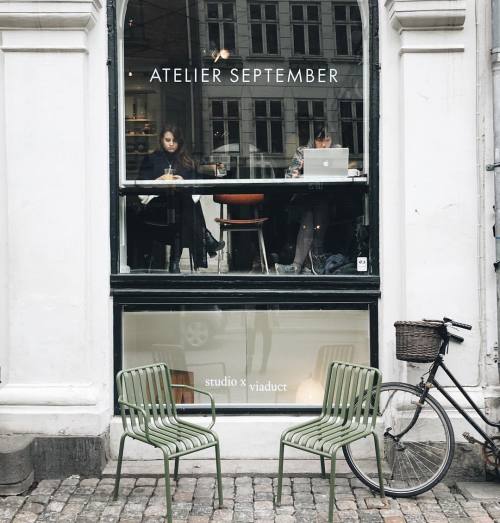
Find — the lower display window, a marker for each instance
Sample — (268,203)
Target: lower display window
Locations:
(253,356)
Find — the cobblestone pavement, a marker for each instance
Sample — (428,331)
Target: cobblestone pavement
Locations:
(246,499)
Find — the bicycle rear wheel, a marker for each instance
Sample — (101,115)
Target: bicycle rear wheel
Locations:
(417,443)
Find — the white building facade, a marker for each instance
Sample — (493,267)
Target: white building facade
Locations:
(75,308)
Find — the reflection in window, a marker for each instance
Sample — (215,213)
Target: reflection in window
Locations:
(249,112)
(351,122)
(306,29)
(221,26)
(251,356)
(348,30)
(268,126)
(264,28)
(310,118)
(225,123)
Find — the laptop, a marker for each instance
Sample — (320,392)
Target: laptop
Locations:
(331,162)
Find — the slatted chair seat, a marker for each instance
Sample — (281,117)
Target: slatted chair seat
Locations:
(349,413)
(149,415)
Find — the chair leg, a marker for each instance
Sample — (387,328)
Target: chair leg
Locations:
(168,496)
(262,248)
(119,467)
(219,475)
(280,474)
(176,468)
(332,488)
(323,472)
(379,464)
(220,251)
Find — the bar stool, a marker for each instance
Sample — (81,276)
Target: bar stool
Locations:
(254,224)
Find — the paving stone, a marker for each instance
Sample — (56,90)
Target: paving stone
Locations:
(369,516)
(374,503)
(24,517)
(247,499)
(72,480)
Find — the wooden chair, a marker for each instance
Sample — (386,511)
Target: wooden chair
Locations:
(145,396)
(349,413)
(254,224)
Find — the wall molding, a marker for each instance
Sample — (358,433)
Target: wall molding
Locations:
(432,49)
(48,395)
(49,14)
(426,15)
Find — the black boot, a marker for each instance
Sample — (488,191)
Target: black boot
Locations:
(173,267)
(212,244)
(175,258)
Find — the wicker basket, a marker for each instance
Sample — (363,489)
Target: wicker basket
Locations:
(417,341)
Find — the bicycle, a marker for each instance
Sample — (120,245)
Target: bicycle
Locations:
(414,463)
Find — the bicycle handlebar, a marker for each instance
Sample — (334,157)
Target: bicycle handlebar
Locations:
(458,324)
(453,322)
(455,337)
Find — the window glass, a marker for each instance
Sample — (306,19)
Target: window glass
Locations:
(270,11)
(227,10)
(250,356)
(229,96)
(212,10)
(272,38)
(297,12)
(257,43)
(340,12)
(348,30)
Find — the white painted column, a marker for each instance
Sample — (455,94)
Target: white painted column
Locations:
(436,253)
(57,353)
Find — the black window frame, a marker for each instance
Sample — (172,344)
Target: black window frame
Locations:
(313,121)
(124,301)
(220,21)
(225,119)
(143,289)
(305,23)
(348,23)
(269,119)
(263,22)
(354,119)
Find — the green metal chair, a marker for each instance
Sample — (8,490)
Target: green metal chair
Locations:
(149,415)
(349,413)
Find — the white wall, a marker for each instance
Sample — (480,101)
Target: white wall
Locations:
(436,212)
(57,354)
(55,315)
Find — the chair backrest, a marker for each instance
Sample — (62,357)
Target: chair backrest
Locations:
(239,199)
(147,387)
(352,393)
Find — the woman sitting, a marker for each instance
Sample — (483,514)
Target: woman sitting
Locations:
(313,210)
(177,209)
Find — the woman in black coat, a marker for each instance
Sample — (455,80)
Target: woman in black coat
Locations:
(175,211)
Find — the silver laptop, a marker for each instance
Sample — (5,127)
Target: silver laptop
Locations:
(319,163)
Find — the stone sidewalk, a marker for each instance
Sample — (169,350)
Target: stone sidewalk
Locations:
(246,499)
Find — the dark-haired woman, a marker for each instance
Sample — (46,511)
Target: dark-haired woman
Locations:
(177,209)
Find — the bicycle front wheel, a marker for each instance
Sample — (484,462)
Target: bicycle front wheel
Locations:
(416,442)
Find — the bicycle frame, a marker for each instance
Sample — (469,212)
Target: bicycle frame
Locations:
(432,382)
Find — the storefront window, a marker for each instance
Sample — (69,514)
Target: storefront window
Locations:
(252,356)
(264,101)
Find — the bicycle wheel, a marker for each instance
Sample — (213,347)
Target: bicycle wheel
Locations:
(417,444)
